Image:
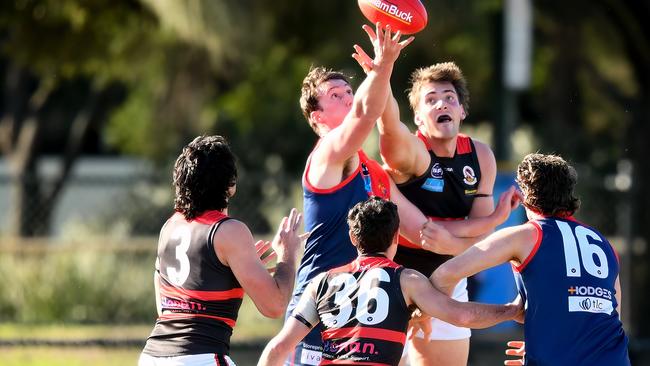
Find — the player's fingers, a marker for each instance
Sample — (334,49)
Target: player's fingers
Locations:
(513,362)
(293,218)
(397,36)
(304,236)
(516,344)
(362,53)
(371,33)
(284,225)
(269,258)
(387,34)
(262,246)
(379,33)
(406,42)
(513,352)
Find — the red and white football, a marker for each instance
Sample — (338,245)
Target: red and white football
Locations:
(408,16)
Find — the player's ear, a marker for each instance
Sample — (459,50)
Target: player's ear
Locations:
(353,239)
(315,116)
(463,114)
(418,119)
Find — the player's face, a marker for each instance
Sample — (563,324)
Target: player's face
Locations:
(335,99)
(439,112)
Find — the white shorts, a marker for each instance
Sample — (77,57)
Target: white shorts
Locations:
(442,331)
(204,359)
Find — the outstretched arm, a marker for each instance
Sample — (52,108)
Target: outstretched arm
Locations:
(463,314)
(235,248)
(512,243)
(402,151)
(368,103)
(277,350)
(477,227)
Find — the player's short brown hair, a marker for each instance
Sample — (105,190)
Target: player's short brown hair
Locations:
(309,91)
(373,224)
(444,71)
(548,183)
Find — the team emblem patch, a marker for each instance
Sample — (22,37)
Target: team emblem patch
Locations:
(468,175)
(436,171)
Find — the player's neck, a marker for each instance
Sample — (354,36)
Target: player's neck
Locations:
(443,148)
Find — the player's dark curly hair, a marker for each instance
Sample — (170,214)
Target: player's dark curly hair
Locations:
(373,224)
(309,91)
(203,175)
(548,182)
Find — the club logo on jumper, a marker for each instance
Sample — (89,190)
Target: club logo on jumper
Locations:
(392,10)
(436,171)
(590,299)
(468,175)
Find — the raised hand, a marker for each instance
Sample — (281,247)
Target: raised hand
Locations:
(262,248)
(436,238)
(508,201)
(362,58)
(286,240)
(387,46)
(517,348)
(419,322)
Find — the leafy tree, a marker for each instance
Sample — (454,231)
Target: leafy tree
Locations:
(62,66)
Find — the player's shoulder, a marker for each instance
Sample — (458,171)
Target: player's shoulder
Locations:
(232,231)
(483,149)
(410,277)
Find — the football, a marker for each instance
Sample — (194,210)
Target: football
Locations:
(407,16)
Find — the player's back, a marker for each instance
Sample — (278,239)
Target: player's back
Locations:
(569,282)
(363,312)
(199,295)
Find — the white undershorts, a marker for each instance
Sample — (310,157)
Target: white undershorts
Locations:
(442,331)
(204,359)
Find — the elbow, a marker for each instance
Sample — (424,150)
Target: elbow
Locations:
(273,310)
(443,279)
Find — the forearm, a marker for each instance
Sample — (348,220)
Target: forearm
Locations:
(284,277)
(273,355)
(370,99)
(451,245)
(471,227)
(477,315)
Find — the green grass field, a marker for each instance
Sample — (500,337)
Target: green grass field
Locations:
(251,327)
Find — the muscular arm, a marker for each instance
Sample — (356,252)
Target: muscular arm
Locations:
(463,314)
(482,218)
(342,142)
(277,350)
(404,154)
(235,247)
(411,219)
(512,243)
